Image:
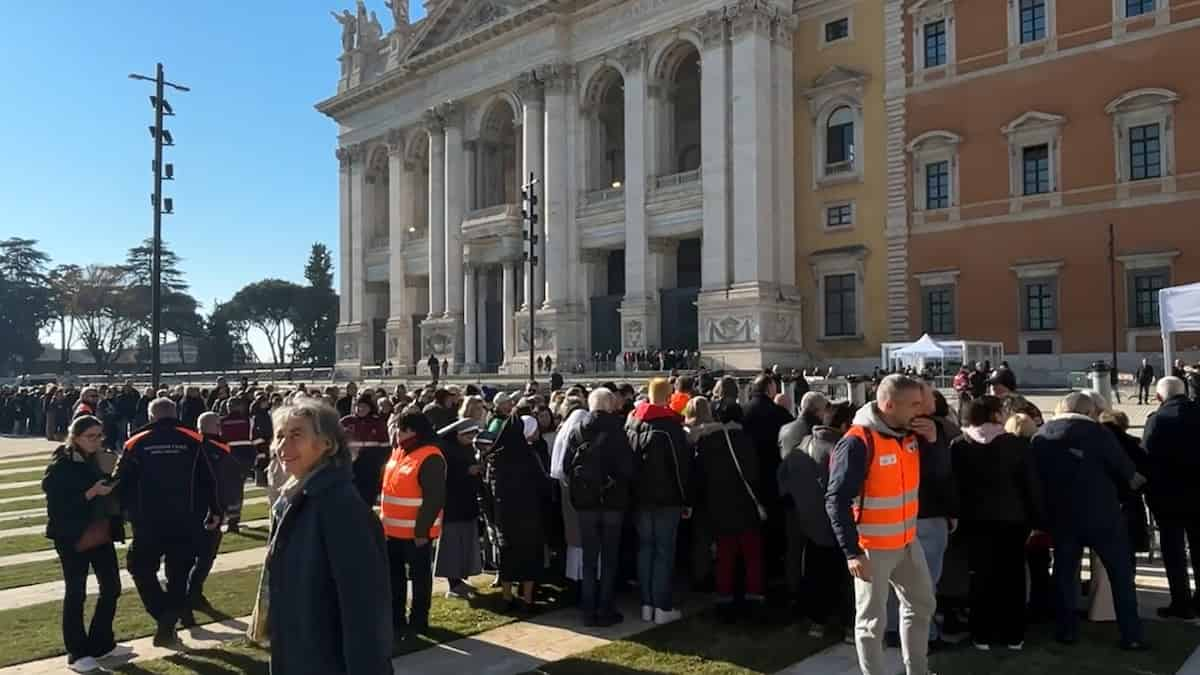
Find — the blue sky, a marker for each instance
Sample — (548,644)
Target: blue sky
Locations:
(256,175)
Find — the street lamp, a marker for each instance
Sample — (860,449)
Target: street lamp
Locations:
(162,137)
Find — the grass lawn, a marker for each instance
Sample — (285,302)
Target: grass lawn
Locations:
(698,645)
(34,632)
(38,462)
(27,574)
(22,477)
(24,521)
(1096,654)
(28,543)
(38,502)
(27,491)
(449,620)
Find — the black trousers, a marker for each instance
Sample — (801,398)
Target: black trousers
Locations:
(1144,392)
(98,639)
(245,456)
(1177,536)
(149,550)
(828,591)
(368,473)
(1112,546)
(210,543)
(996,560)
(1041,594)
(409,562)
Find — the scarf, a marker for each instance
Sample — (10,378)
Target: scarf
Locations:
(984,433)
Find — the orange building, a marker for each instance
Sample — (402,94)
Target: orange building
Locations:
(1025,128)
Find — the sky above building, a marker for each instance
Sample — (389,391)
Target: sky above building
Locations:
(256,177)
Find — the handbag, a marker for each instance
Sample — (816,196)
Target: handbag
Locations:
(762,512)
(97,533)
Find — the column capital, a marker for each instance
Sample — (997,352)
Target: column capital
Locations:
(358,153)
(529,87)
(557,78)
(783,29)
(632,56)
(451,113)
(747,17)
(713,28)
(432,122)
(395,142)
(343,154)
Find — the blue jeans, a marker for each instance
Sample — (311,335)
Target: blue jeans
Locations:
(656,554)
(934,534)
(600,536)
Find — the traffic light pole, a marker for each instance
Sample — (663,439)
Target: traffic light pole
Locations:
(529,203)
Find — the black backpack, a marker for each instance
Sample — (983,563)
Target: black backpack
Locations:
(587,483)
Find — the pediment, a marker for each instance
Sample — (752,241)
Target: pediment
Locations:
(453,19)
(839,75)
(1033,120)
(1140,99)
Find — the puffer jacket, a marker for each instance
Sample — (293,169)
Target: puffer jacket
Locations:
(803,476)
(661,456)
(718,490)
(996,478)
(1083,471)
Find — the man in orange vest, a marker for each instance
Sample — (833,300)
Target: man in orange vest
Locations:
(414,492)
(872,503)
(683,393)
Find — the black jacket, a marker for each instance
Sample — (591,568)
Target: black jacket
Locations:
(330,589)
(190,409)
(518,484)
(611,451)
(1083,471)
(938,495)
(439,416)
(1172,442)
(804,475)
(996,479)
(763,419)
(462,489)
(718,490)
(166,480)
(1133,504)
(228,470)
(68,512)
(661,456)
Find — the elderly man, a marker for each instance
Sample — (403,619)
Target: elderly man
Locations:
(1170,438)
(169,489)
(1083,471)
(89,402)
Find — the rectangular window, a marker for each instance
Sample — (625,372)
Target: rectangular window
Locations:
(837,30)
(1145,152)
(939,310)
(839,146)
(1040,306)
(839,305)
(1138,7)
(937,185)
(1035,169)
(935,43)
(840,215)
(1145,285)
(1033,20)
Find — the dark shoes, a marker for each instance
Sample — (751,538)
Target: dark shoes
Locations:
(1173,612)
(187,619)
(201,604)
(612,619)
(165,635)
(1135,646)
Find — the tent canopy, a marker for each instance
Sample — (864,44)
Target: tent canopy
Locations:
(926,347)
(1178,311)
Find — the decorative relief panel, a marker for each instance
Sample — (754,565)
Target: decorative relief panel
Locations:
(634,334)
(729,330)
(543,338)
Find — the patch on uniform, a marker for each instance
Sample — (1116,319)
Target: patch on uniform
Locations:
(887,460)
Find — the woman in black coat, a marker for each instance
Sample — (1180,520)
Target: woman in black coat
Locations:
(518,487)
(1133,506)
(327,568)
(84,521)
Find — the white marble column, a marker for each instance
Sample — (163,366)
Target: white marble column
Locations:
(456,190)
(358,233)
(558,81)
(714,137)
(633,57)
(533,140)
(470,326)
(509,303)
(481,318)
(345,266)
(400,205)
(471,164)
(436,232)
(753,143)
(785,160)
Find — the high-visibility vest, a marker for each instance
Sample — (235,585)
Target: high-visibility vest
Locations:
(679,401)
(887,512)
(402,498)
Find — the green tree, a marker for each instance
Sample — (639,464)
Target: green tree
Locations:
(25,301)
(316,312)
(270,306)
(107,315)
(139,263)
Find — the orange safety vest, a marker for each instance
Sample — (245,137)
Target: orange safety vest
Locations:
(679,401)
(402,497)
(887,512)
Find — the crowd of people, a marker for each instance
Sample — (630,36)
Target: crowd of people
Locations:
(857,519)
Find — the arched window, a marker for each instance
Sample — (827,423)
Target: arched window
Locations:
(605,113)
(498,140)
(839,141)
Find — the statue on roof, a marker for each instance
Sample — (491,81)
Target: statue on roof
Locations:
(349,28)
(399,12)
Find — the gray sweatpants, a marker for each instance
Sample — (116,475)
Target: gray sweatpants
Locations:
(906,571)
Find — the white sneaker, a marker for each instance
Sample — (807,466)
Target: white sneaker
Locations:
(1017,647)
(662,616)
(648,613)
(84,664)
(983,646)
(116,652)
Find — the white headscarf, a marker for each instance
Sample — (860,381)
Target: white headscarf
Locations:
(560,442)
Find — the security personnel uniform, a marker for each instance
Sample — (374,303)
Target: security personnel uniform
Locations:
(369,445)
(168,487)
(229,480)
(235,431)
(414,492)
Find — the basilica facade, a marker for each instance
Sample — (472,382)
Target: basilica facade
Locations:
(658,136)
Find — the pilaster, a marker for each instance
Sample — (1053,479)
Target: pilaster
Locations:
(751,326)
(715,146)
(399,323)
(533,130)
(436,232)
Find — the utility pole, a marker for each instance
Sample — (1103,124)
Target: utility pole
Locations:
(161,206)
(1112,282)
(529,214)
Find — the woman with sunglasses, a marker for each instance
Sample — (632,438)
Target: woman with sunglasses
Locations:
(83,520)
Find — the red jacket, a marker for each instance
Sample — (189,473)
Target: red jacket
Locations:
(366,432)
(236,433)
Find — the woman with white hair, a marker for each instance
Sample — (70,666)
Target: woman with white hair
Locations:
(327,566)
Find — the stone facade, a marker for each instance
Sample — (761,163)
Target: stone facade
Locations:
(662,222)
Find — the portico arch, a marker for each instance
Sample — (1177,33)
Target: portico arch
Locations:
(416,159)
(604,110)
(377,195)
(676,90)
(499,145)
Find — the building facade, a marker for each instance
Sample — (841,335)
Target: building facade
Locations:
(660,137)
(1028,127)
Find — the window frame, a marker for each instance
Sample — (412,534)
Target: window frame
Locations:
(1028,274)
(926,149)
(1015,34)
(1134,304)
(949,320)
(1043,148)
(837,87)
(852,292)
(823,27)
(1047,320)
(1145,152)
(1138,108)
(1034,37)
(923,15)
(1032,129)
(827,207)
(837,262)
(943,187)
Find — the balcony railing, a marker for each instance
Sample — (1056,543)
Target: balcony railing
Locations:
(380,242)
(676,179)
(839,168)
(604,195)
(491,221)
(489,212)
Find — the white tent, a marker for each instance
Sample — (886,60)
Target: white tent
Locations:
(925,348)
(1178,311)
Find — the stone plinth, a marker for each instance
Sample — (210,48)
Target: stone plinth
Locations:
(749,326)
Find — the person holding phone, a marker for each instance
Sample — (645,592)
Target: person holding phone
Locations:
(84,521)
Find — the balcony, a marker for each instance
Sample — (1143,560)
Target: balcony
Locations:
(380,243)
(682,180)
(675,204)
(492,222)
(601,217)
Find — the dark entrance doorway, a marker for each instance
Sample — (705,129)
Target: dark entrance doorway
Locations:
(605,309)
(680,320)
